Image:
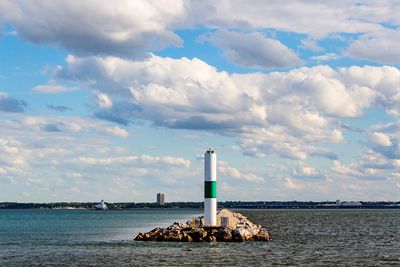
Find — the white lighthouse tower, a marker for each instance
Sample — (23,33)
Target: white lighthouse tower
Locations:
(210,188)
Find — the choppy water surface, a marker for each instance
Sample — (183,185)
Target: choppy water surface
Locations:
(300,237)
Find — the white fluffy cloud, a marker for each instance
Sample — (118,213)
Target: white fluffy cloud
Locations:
(117,131)
(225,169)
(380,158)
(282,113)
(126,28)
(253,50)
(371,166)
(132,29)
(312,45)
(292,114)
(326,57)
(78,162)
(36,160)
(385,140)
(312,17)
(380,139)
(143,160)
(52,89)
(12,159)
(377,22)
(383,80)
(307,172)
(381,46)
(103,100)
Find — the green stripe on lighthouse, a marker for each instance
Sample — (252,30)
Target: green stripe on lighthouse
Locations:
(210,189)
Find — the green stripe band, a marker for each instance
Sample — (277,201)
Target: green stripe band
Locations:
(210,189)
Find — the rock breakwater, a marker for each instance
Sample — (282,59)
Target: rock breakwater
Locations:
(232,227)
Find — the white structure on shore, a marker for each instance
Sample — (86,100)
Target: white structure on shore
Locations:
(160,198)
(210,187)
(101,206)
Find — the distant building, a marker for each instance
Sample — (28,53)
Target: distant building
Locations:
(338,202)
(101,206)
(160,199)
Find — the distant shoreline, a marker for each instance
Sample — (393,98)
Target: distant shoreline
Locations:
(199,205)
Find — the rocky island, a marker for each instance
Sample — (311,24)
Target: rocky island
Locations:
(231,227)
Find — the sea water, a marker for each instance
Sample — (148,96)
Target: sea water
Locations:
(105,238)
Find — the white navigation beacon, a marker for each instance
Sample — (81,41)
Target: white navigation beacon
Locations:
(210,188)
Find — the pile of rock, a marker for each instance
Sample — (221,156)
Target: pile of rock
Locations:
(235,228)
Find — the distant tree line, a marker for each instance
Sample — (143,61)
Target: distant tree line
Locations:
(192,205)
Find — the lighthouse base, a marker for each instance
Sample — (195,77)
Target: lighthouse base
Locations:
(239,229)
(210,211)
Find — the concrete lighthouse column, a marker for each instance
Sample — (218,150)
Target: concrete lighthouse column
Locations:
(210,187)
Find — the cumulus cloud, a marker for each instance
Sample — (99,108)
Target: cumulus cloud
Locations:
(34,159)
(41,162)
(253,50)
(117,132)
(385,140)
(311,45)
(383,80)
(371,166)
(284,113)
(143,160)
(291,114)
(308,172)
(315,18)
(9,104)
(69,125)
(380,139)
(52,124)
(378,160)
(381,47)
(233,173)
(12,157)
(103,100)
(292,184)
(128,28)
(133,29)
(53,89)
(328,17)
(326,57)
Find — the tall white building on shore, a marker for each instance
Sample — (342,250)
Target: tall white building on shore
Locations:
(161,199)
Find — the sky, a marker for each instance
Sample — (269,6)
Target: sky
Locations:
(120,100)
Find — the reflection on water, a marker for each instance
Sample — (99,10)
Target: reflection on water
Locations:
(308,237)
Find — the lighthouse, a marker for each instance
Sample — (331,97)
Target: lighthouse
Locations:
(210,188)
